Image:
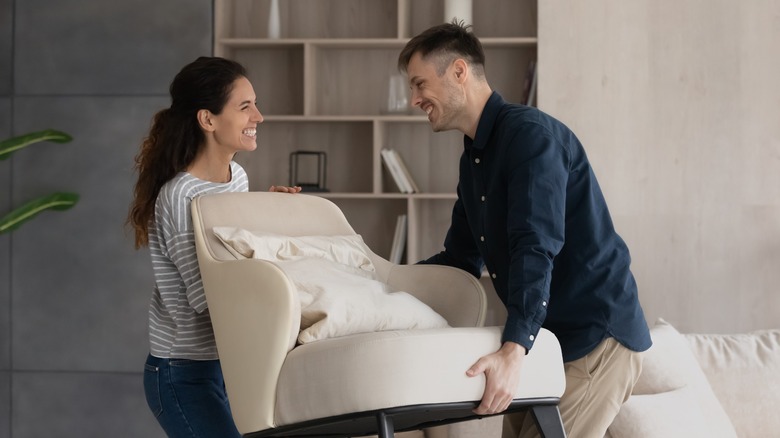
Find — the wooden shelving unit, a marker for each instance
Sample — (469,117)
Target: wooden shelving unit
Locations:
(323,86)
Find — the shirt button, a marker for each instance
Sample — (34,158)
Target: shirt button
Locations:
(482,238)
(531,337)
(483,198)
(544,303)
(476,160)
(493,275)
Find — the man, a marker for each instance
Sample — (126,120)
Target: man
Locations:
(530,211)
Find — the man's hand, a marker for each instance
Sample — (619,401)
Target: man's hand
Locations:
(502,374)
(284,189)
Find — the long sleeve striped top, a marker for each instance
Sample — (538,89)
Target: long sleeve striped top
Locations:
(179,323)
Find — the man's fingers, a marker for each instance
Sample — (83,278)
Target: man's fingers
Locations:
(492,405)
(484,406)
(478,368)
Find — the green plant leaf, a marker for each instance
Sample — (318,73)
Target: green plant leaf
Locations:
(7,147)
(22,214)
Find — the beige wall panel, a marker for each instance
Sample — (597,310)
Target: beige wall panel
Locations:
(678,105)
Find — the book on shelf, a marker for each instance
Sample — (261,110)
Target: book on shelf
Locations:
(398,171)
(532,91)
(529,86)
(399,239)
(412,184)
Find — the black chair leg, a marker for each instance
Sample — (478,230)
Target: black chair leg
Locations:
(385,423)
(548,421)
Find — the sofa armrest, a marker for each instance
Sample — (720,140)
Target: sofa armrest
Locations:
(255,313)
(453,293)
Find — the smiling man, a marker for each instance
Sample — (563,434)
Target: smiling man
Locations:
(531,212)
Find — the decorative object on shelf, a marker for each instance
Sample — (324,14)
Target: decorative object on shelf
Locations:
(397,96)
(312,162)
(274,25)
(55,201)
(460,9)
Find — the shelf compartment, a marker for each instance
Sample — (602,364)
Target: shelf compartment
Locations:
(374,219)
(308,18)
(276,73)
(347,145)
(517,18)
(432,157)
(340,90)
(508,77)
(337,90)
(430,220)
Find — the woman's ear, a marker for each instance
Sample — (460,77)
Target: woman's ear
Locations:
(205,120)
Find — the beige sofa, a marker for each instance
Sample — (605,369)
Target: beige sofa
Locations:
(704,385)
(692,385)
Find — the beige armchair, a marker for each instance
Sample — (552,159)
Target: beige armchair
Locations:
(372,383)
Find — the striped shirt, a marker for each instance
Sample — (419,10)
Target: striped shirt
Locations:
(179,323)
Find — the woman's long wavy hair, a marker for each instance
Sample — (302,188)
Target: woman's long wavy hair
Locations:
(175,138)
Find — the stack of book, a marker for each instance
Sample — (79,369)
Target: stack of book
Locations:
(397,168)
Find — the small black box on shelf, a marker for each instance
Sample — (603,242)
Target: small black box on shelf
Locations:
(313,165)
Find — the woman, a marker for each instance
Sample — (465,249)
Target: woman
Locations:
(189,152)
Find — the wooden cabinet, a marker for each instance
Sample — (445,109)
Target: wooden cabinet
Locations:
(323,86)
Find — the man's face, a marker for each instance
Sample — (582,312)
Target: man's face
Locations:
(439,96)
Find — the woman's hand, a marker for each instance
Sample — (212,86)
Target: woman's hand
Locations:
(285,189)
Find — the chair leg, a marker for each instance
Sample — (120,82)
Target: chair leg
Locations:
(385,423)
(548,421)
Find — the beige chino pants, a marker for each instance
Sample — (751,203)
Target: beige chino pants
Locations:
(596,386)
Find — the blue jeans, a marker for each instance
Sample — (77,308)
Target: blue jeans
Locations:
(188,398)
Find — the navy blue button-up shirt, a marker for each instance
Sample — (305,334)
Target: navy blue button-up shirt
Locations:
(529,209)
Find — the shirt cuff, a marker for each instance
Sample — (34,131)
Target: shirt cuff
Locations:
(520,332)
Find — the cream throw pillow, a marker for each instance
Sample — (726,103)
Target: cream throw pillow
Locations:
(336,283)
(672,397)
(673,414)
(744,370)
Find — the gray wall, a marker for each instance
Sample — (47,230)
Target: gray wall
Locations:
(73,291)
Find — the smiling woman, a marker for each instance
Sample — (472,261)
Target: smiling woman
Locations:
(189,153)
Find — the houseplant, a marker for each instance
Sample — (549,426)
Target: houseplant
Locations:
(55,201)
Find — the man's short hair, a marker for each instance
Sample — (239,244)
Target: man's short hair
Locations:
(446,42)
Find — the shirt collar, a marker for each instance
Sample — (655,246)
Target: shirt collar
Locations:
(486,122)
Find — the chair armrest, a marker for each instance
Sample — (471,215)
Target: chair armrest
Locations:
(453,293)
(255,313)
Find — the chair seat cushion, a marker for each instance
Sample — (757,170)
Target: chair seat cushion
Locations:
(400,368)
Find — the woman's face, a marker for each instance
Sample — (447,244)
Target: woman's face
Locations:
(236,126)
